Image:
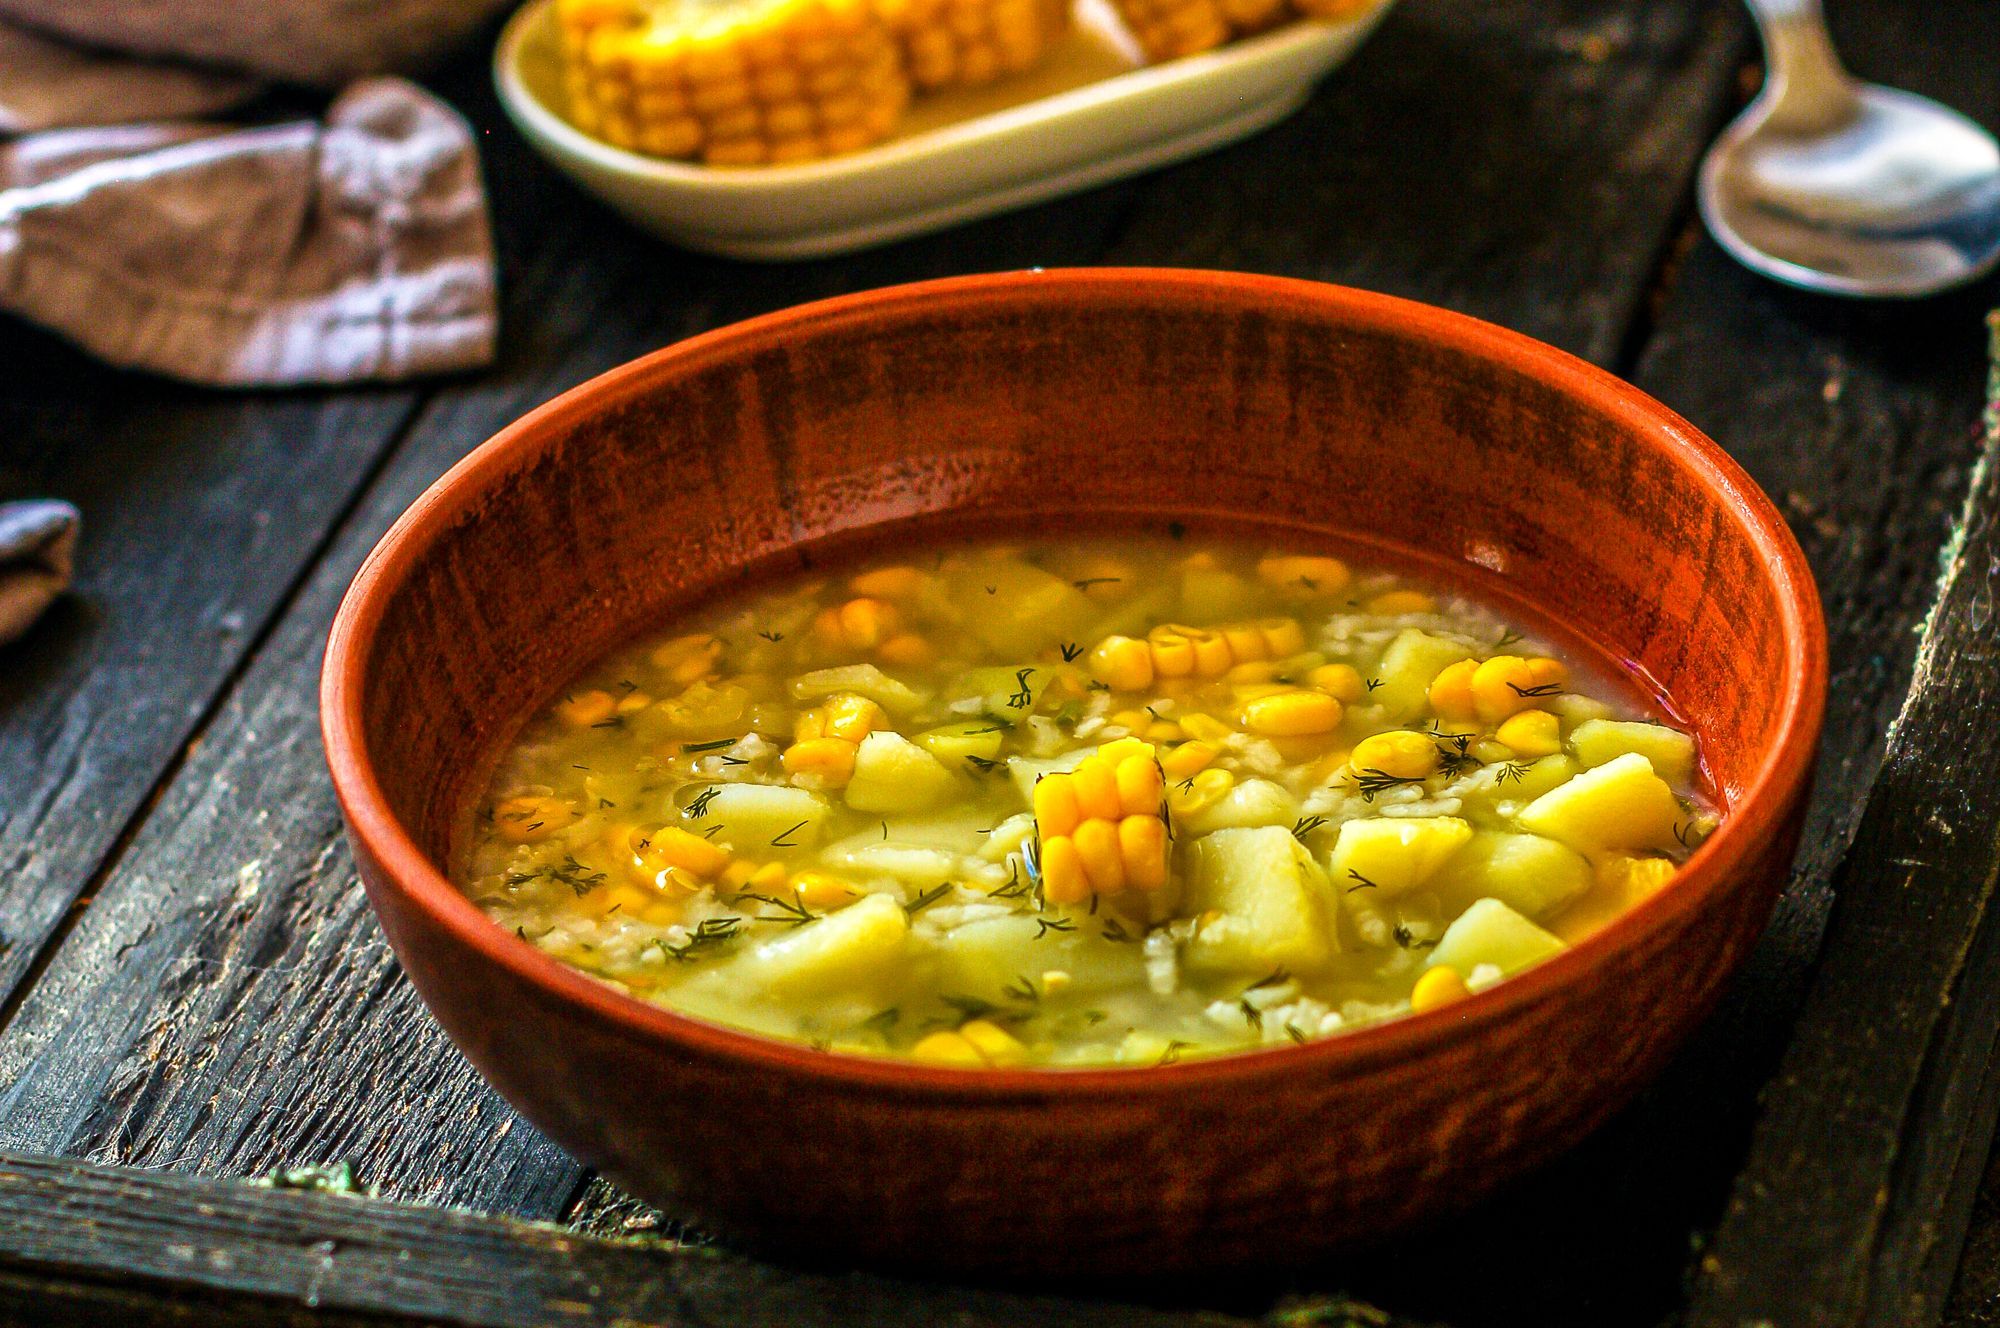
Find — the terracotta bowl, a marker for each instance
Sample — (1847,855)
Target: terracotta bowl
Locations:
(1063,399)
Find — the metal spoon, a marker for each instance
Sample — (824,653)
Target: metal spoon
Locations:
(1836,185)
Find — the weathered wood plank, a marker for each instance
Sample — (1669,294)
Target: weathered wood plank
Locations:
(1879,1111)
(1522,161)
(200,512)
(119,1242)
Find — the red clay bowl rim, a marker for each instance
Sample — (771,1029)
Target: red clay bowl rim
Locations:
(1779,776)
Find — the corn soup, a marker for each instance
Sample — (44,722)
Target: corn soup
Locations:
(1119,801)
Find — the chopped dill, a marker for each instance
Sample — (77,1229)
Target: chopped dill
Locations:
(1024,695)
(1018,886)
(1114,930)
(925,898)
(711,933)
(1454,755)
(1372,781)
(1251,1014)
(1408,939)
(1365,883)
(714,830)
(1276,977)
(1684,834)
(1372,683)
(785,840)
(698,808)
(981,764)
(569,872)
(1539,689)
(791,912)
(1307,824)
(1095,1016)
(1173,1052)
(1022,989)
(715,746)
(615,722)
(1511,772)
(772,637)
(1070,651)
(971,1007)
(1508,637)
(1089,581)
(1293,1032)
(882,1020)
(992,590)
(1098,685)
(1043,926)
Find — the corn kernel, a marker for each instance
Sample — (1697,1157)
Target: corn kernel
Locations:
(852,718)
(823,891)
(907,650)
(896,583)
(737,875)
(583,709)
(1097,848)
(1139,786)
(1246,643)
(1438,987)
(1342,682)
(1399,754)
(1063,878)
(1531,733)
(531,818)
(1198,791)
(1096,785)
(1291,714)
(1282,637)
(1548,672)
(995,1045)
(948,1048)
(1187,758)
(1504,685)
(690,852)
(1451,692)
(1161,730)
(1205,728)
(828,760)
(1173,653)
(1317,575)
(1056,811)
(1394,602)
(1122,663)
(1142,851)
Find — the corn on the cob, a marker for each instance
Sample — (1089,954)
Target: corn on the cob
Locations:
(745,84)
(959,43)
(1169,28)
(1103,826)
(1171,650)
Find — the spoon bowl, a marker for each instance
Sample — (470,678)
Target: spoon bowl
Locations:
(1845,187)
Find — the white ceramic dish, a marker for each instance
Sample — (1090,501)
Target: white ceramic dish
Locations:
(1092,113)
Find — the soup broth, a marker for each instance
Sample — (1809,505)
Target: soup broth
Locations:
(1111,801)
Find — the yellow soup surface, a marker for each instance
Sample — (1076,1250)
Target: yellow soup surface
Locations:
(1112,801)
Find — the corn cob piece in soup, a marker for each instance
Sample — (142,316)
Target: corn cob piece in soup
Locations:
(1125,801)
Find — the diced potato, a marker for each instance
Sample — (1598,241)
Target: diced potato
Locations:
(1622,882)
(754,816)
(1574,708)
(1013,606)
(1251,802)
(851,948)
(914,865)
(1392,854)
(1027,769)
(953,743)
(1492,933)
(1537,778)
(1620,804)
(1600,741)
(1412,660)
(1209,595)
(893,774)
(1530,874)
(983,957)
(1268,898)
(1007,692)
(863,680)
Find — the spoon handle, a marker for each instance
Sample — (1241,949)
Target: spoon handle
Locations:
(1808,86)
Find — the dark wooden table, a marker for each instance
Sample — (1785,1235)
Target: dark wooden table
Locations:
(192,991)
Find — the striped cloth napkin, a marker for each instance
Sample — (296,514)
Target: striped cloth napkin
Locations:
(336,250)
